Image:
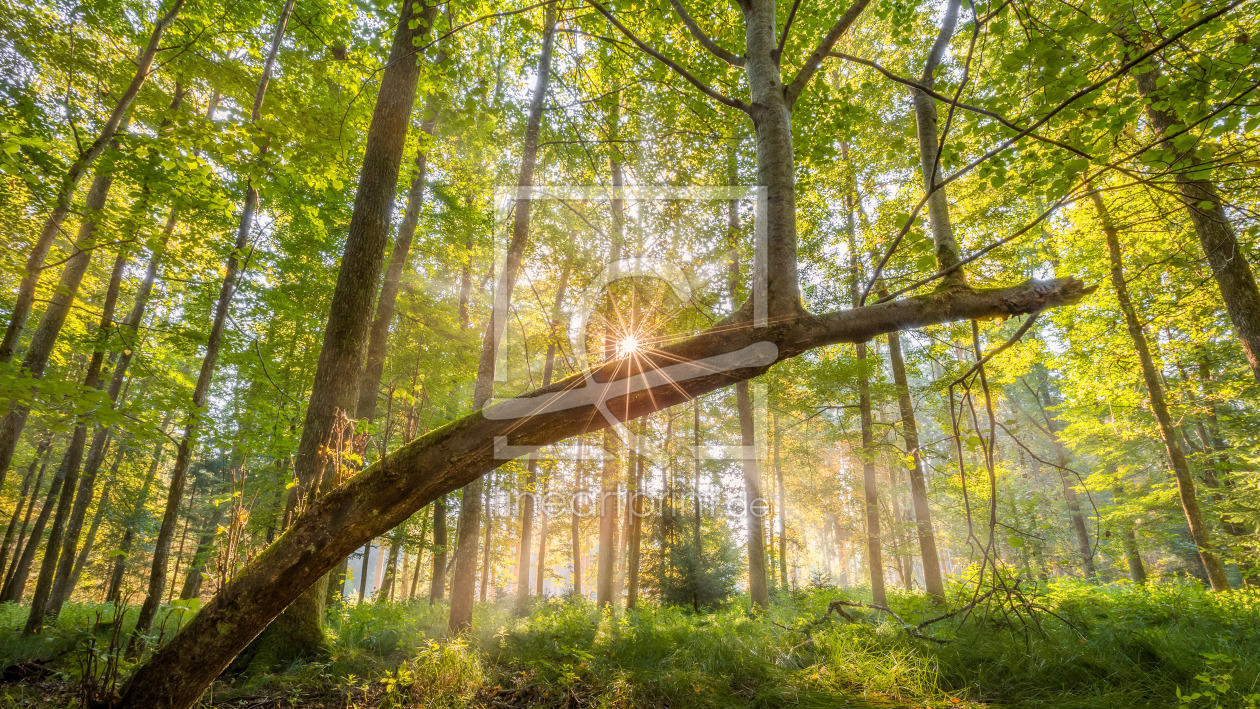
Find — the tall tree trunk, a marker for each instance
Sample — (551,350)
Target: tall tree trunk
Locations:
(918,486)
(605,580)
(192,425)
(1216,234)
(697,540)
(870,485)
(463,581)
(540,577)
(754,506)
(575,529)
(65,194)
(378,341)
(1155,389)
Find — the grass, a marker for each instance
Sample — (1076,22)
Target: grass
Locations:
(1163,645)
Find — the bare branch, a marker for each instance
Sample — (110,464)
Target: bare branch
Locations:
(793,90)
(704,39)
(678,69)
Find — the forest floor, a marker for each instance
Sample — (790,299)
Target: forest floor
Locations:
(1167,644)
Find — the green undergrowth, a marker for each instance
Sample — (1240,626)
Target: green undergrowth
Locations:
(1163,645)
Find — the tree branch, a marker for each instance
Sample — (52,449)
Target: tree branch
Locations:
(704,39)
(678,69)
(793,90)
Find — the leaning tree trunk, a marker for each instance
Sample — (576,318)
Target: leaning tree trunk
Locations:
(209,361)
(336,383)
(65,194)
(918,485)
(738,349)
(1159,406)
(385,494)
(463,581)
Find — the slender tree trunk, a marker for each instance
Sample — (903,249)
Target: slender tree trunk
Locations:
(205,547)
(363,571)
(486,547)
(386,592)
(65,194)
(209,361)
(1069,489)
(463,582)
(541,576)
(437,587)
(697,549)
(575,530)
(101,506)
(1128,538)
(754,506)
(15,586)
(782,504)
(918,485)
(943,240)
(1155,389)
(636,535)
(114,592)
(870,485)
(605,581)
(26,494)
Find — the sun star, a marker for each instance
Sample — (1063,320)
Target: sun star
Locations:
(628,346)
